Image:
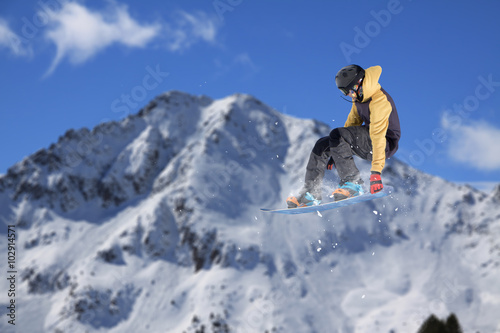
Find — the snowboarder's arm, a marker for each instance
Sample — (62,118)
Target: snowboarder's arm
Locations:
(379,122)
(353,119)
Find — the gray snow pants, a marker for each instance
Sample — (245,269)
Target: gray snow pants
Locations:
(341,145)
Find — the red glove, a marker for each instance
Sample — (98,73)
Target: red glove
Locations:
(376,182)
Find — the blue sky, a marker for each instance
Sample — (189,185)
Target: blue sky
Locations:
(73,64)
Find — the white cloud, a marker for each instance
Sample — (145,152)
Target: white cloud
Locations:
(475,144)
(242,64)
(16,44)
(188,29)
(80,33)
(245,60)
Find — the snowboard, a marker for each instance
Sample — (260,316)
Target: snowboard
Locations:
(327,205)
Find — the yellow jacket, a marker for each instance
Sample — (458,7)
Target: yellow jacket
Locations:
(378,112)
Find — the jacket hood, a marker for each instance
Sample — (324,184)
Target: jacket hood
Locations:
(370,82)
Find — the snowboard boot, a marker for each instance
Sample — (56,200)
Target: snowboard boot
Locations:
(306,199)
(347,190)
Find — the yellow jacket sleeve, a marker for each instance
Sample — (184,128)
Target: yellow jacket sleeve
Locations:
(353,119)
(380,110)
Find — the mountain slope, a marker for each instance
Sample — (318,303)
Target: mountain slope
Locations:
(153,224)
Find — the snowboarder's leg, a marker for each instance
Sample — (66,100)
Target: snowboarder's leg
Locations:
(316,166)
(315,171)
(345,142)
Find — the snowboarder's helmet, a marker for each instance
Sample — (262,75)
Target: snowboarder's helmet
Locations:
(348,77)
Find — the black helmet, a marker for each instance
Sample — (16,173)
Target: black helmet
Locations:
(349,76)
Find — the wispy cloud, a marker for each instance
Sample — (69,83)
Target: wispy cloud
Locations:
(245,60)
(80,33)
(13,42)
(474,144)
(187,29)
(242,63)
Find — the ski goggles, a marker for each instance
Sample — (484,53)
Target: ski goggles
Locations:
(345,91)
(354,88)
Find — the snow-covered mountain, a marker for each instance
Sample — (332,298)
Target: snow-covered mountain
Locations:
(152,224)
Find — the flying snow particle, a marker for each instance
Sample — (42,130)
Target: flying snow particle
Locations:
(319,214)
(363,296)
(318,249)
(375,212)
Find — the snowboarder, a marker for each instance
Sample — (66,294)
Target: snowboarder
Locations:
(371,132)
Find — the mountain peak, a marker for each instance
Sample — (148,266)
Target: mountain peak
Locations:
(118,160)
